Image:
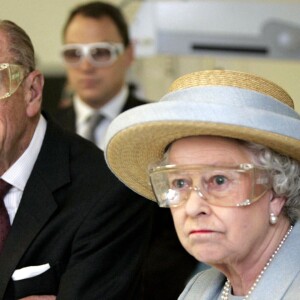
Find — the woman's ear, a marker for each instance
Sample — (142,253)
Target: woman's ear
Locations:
(34,83)
(276,204)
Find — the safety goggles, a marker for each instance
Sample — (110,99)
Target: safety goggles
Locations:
(11,76)
(98,54)
(234,186)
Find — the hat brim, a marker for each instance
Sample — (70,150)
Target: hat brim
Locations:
(140,136)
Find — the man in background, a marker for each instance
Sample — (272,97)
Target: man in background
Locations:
(98,53)
(68,229)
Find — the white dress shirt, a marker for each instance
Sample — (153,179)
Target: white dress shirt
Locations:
(17,175)
(109,111)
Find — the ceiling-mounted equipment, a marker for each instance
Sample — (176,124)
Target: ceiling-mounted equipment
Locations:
(217,28)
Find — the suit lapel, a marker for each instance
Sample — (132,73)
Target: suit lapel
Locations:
(37,203)
(66,117)
(70,120)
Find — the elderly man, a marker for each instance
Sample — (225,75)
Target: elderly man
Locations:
(68,229)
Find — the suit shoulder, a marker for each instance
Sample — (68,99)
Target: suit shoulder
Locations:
(133,101)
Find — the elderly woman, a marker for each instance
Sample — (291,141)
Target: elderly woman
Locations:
(222,151)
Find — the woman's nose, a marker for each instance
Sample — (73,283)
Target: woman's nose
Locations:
(196,203)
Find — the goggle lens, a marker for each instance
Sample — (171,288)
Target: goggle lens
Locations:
(11,76)
(101,54)
(221,186)
(72,56)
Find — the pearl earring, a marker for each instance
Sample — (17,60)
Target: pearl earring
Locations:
(273,219)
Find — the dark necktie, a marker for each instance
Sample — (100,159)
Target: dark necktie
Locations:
(94,121)
(4,218)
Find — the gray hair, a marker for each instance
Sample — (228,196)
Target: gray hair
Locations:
(20,45)
(285,176)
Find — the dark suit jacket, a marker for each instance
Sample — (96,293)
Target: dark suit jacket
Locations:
(168,266)
(76,216)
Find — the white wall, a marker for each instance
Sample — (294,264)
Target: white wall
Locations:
(43,20)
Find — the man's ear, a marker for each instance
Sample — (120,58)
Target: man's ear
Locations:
(34,84)
(129,53)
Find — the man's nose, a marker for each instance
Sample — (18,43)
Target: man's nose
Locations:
(85,63)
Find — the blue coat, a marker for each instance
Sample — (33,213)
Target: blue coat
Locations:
(280,281)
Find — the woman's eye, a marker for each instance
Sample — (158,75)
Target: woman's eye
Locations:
(179,183)
(217,183)
(219,180)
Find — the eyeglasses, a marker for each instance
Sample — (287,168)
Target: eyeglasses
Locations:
(234,186)
(11,76)
(98,54)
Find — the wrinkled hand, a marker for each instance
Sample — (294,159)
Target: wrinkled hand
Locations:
(39,298)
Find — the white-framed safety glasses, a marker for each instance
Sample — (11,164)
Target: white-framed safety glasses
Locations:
(98,54)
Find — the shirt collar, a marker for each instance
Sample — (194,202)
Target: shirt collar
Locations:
(110,110)
(17,175)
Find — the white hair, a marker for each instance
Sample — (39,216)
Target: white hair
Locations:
(285,176)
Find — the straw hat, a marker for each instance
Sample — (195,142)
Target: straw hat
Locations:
(222,103)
